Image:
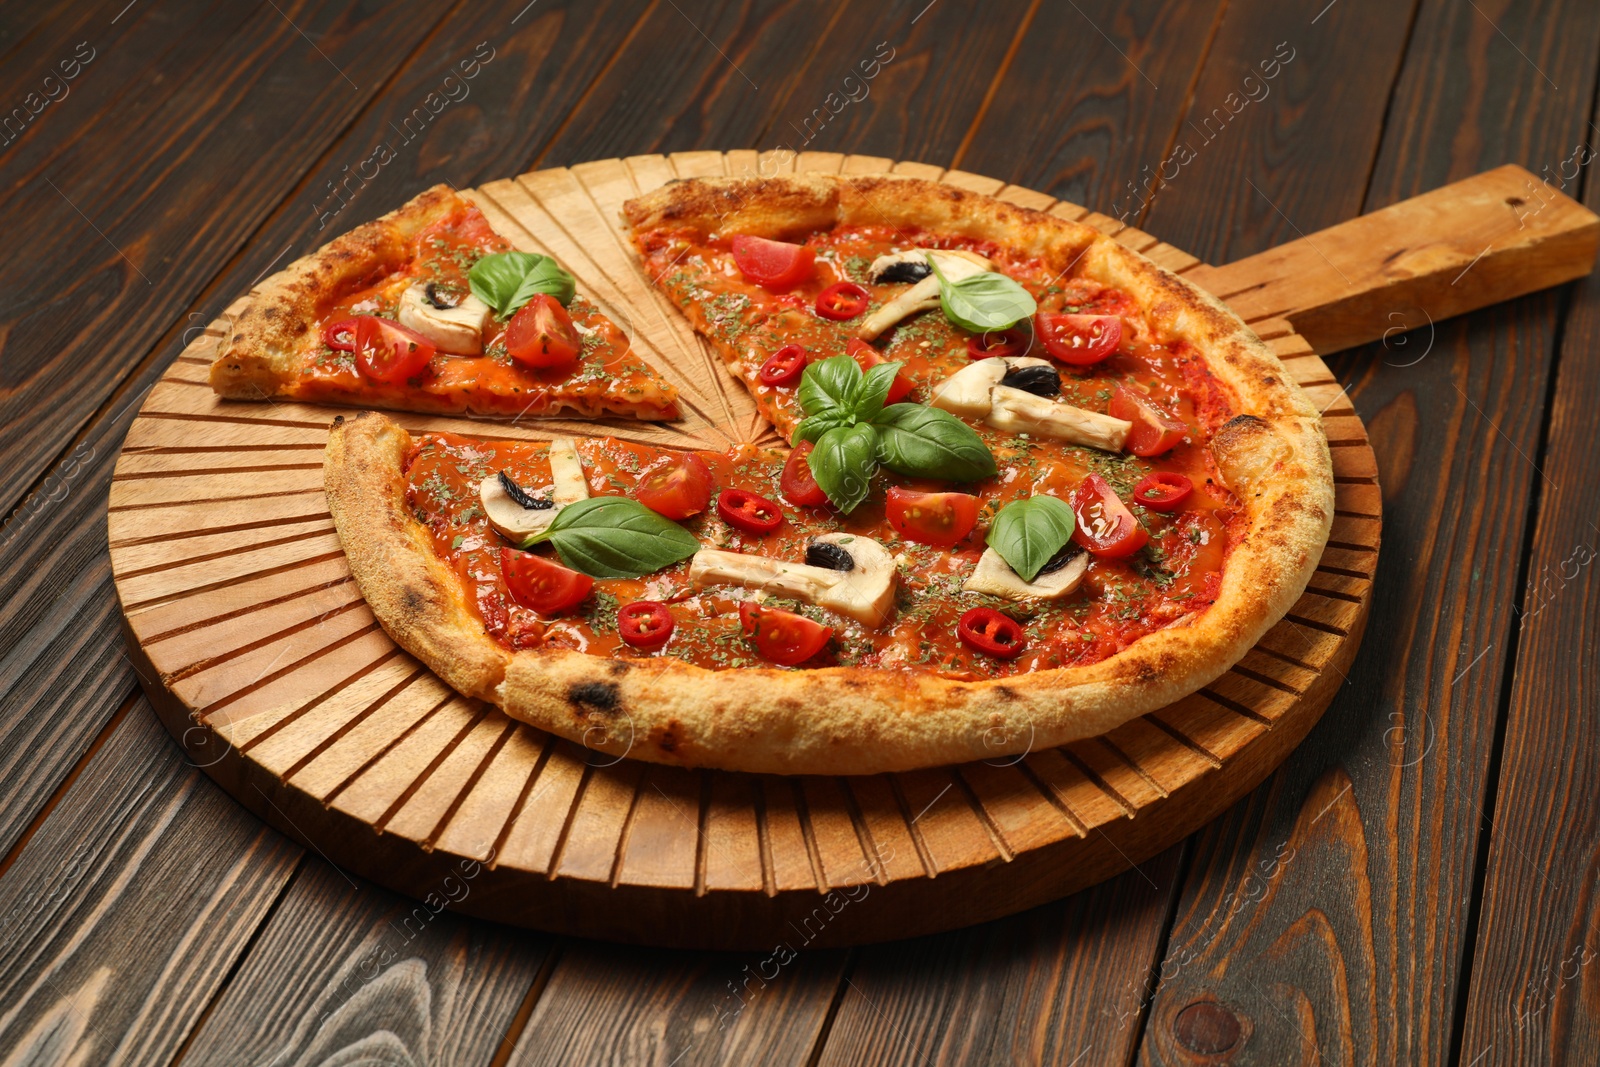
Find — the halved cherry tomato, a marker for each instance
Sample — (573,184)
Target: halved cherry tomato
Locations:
(782,636)
(842,300)
(340,335)
(997,344)
(1105,525)
(773,264)
(745,511)
(541,584)
(677,487)
(388,352)
(1163,491)
(541,334)
(786,366)
(986,630)
(797,483)
(867,357)
(939,519)
(1081,340)
(1154,431)
(645,624)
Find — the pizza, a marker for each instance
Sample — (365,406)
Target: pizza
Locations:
(428,309)
(1027,486)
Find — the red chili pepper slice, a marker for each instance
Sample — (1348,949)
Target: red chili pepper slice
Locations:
(745,511)
(998,344)
(1163,491)
(786,366)
(340,335)
(645,624)
(842,300)
(986,630)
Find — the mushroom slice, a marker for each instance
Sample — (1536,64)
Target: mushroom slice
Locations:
(513,517)
(994,575)
(966,392)
(1016,411)
(454,325)
(908,267)
(923,296)
(864,591)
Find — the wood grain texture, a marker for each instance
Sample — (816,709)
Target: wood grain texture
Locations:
(125,911)
(1354,951)
(234,587)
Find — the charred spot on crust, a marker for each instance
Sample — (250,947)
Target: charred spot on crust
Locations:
(667,738)
(620,666)
(413,601)
(1145,673)
(1006,693)
(590,698)
(269,312)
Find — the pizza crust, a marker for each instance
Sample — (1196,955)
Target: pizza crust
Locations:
(850,720)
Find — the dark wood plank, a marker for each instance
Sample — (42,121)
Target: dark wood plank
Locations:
(1353,950)
(345,970)
(126,910)
(1530,999)
(132,207)
(609,1004)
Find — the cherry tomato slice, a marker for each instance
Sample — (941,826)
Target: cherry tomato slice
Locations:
(782,636)
(541,584)
(677,487)
(745,511)
(939,519)
(541,334)
(842,300)
(867,357)
(797,483)
(1163,491)
(1105,525)
(388,352)
(645,624)
(773,264)
(1002,344)
(1154,431)
(340,335)
(786,366)
(986,630)
(1081,340)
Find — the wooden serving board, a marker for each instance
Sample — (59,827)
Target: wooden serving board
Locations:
(267,666)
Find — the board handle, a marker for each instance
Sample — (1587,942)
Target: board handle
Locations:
(1461,247)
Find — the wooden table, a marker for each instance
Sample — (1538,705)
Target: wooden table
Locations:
(1416,883)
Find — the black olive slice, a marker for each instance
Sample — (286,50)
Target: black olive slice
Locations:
(1068,553)
(1038,380)
(522,496)
(829,555)
(904,271)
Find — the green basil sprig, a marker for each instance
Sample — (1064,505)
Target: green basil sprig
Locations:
(1028,532)
(854,433)
(983,302)
(616,537)
(507,280)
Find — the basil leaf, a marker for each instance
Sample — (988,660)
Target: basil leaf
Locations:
(983,302)
(829,383)
(843,464)
(923,442)
(616,537)
(873,391)
(507,280)
(814,426)
(1028,532)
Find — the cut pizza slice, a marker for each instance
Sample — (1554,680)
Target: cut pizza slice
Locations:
(427,309)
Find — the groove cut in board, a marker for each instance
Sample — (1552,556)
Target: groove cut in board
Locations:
(266,665)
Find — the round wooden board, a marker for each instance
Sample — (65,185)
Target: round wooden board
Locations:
(265,663)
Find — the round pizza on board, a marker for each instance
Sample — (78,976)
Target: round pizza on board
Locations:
(1033,486)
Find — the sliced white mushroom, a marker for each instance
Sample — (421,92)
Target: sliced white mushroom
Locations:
(966,392)
(1016,411)
(907,268)
(518,522)
(993,575)
(923,296)
(455,326)
(864,591)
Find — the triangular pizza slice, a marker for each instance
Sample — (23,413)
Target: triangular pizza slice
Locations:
(428,309)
